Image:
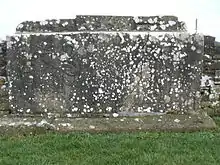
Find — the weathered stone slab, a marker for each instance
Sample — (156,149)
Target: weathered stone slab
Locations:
(104,23)
(91,74)
(10,125)
(53,25)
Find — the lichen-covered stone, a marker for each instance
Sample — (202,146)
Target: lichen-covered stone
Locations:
(3,61)
(104,23)
(4,104)
(210,82)
(87,74)
(53,25)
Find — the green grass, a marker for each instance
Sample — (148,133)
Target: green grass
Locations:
(201,148)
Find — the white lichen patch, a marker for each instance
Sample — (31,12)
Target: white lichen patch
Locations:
(65,23)
(166,99)
(153,27)
(42,123)
(177,120)
(207,81)
(163,27)
(115,114)
(109,109)
(148,109)
(11,97)
(64,57)
(68,115)
(64,124)
(137,119)
(171,23)
(20,26)
(92,127)
(28,123)
(43,23)
(151,21)
(122,119)
(137,19)
(182,55)
(11,124)
(193,48)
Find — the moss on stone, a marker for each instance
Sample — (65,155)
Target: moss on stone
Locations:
(156,123)
(212,109)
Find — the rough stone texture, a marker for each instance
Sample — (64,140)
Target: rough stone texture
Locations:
(177,123)
(3,62)
(114,73)
(4,105)
(210,82)
(104,23)
(88,74)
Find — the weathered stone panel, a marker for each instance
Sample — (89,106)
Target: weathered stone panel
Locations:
(96,73)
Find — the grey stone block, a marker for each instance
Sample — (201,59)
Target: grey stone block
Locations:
(88,74)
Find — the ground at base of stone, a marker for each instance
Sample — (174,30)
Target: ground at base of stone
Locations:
(11,125)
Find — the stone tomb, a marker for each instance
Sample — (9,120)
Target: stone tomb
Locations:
(105,66)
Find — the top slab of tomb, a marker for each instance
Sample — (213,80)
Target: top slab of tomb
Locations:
(103,23)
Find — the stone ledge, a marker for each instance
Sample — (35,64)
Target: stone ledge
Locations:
(11,125)
(104,23)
